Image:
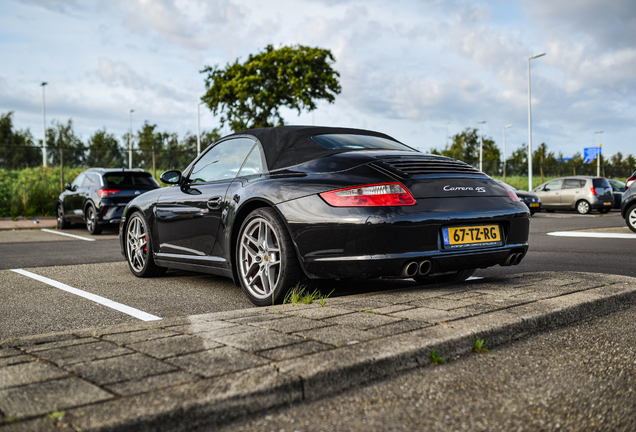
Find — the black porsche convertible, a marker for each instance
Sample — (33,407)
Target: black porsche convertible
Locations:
(272,208)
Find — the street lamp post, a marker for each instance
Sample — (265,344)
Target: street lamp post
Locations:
(598,157)
(43,127)
(481,145)
(504,149)
(130,141)
(199,129)
(530,125)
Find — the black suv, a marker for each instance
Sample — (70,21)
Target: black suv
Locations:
(98,196)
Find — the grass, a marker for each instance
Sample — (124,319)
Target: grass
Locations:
(8,419)
(435,359)
(480,346)
(300,295)
(367,311)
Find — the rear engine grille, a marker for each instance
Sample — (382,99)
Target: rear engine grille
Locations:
(424,165)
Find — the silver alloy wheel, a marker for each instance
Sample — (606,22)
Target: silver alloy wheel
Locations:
(90,219)
(60,216)
(136,244)
(583,207)
(631,217)
(259,258)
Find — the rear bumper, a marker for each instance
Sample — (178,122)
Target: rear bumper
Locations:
(379,241)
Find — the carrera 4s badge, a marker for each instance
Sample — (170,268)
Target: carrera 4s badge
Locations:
(449,188)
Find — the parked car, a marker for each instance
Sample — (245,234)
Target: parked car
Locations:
(580,193)
(618,189)
(529,199)
(98,196)
(276,207)
(628,208)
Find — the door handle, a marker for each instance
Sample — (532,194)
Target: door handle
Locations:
(214,203)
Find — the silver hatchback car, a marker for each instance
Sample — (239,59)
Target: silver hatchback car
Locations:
(580,193)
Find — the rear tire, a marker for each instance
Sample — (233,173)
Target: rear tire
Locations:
(583,207)
(93,227)
(630,218)
(459,276)
(604,210)
(139,248)
(61,223)
(266,260)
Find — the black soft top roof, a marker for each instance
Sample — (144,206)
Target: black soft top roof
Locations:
(286,146)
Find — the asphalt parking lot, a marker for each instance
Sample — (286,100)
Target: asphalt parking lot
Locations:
(94,266)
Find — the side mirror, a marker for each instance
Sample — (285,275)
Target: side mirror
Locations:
(68,186)
(171,177)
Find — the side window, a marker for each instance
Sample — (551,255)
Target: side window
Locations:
(573,183)
(582,183)
(254,163)
(553,185)
(223,161)
(89,181)
(77,183)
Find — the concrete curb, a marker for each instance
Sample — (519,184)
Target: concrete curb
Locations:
(181,373)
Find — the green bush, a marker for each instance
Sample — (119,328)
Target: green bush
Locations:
(32,191)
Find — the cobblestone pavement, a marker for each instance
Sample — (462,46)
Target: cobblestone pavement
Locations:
(180,373)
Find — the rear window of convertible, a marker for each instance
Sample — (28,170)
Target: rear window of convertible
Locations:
(358,142)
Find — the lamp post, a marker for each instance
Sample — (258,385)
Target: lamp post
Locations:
(199,129)
(130,141)
(481,145)
(504,149)
(598,157)
(530,125)
(43,127)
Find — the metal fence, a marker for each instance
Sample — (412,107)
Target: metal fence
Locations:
(159,160)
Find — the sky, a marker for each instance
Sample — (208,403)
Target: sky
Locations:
(420,71)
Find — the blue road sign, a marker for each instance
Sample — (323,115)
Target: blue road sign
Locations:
(590,154)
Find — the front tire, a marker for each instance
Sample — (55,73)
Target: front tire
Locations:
(61,223)
(266,260)
(139,248)
(583,207)
(458,276)
(630,218)
(92,225)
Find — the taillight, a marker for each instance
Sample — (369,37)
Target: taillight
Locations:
(106,192)
(376,195)
(593,190)
(513,195)
(629,181)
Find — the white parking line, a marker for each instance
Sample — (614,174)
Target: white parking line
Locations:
(93,297)
(591,234)
(67,234)
(474,278)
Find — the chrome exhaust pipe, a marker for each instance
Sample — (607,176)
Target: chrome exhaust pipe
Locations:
(409,270)
(518,259)
(510,259)
(424,268)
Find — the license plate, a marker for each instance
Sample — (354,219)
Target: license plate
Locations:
(607,203)
(534,204)
(466,236)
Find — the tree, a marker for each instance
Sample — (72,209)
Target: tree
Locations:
(16,147)
(104,151)
(61,142)
(542,158)
(149,143)
(465,147)
(250,94)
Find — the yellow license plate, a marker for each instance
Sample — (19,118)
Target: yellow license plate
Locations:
(607,203)
(534,204)
(480,235)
